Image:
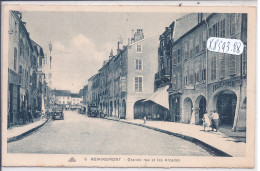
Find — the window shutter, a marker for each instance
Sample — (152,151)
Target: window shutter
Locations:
(222,65)
(244,57)
(179,80)
(232,23)
(179,56)
(174,58)
(213,68)
(140,84)
(136,83)
(222,28)
(174,82)
(15,58)
(232,65)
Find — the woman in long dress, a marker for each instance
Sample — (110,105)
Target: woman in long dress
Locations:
(206,121)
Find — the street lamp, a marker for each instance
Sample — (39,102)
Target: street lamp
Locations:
(50,48)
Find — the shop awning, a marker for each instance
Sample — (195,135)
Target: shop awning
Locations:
(160,96)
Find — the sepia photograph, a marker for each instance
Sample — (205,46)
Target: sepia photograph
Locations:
(128,87)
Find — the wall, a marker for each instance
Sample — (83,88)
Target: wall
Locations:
(149,58)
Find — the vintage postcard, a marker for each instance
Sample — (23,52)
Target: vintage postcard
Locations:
(128,86)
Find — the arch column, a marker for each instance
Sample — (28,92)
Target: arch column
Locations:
(130,110)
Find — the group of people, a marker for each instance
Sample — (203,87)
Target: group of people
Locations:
(211,121)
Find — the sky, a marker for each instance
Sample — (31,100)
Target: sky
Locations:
(83,40)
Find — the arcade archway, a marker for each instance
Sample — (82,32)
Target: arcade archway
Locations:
(200,109)
(225,103)
(187,109)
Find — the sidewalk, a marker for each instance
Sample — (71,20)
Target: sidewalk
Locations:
(195,133)
(19,131)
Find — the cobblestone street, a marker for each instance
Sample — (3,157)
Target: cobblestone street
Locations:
(80,134)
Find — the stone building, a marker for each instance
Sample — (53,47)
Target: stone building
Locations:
(203,80)
(19,67)
(85,96)
(170,68)
(37,76)
(127,77)
(76,99)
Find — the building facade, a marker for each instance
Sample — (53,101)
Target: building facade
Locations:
(126,78)
(203,80)
(24,61)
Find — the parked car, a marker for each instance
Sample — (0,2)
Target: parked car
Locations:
(82,110)
(57,113)
(93,111)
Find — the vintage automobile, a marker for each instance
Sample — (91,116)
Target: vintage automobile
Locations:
(93,111)
(82,110)
(57,113)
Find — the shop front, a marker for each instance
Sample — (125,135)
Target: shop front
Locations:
(227,101)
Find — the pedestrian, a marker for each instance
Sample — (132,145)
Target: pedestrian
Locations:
(144,119)
(206,121)
(215,120)
(30,116)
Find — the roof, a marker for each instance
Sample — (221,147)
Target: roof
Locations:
(74,95)
(194,28)
(61,92)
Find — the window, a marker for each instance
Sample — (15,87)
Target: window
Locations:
(191,78)
(244,62)
(213,68)
(20,47)
(138,84)
(123,84)
(232,64)
(232,23)
(222,65)
(197,76)
(174,58)
(203,74)
(15,27)
(186,55)
(215,30)
(15,58)
(174,82)
(186,80)
(204,39)
(138,64)
(138,48)
(222,28)
(197,46)
(191,47)
(179,80)
(179,56)
(210,32)
(20,69)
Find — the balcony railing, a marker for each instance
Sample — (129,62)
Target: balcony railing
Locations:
(162,74)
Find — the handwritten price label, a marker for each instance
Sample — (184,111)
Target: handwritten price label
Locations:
(222,45)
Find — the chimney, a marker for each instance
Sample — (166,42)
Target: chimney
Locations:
(104,62)
(111,54)
(118,51)
(128,41)
(24,23)
(139,35)
(133,33)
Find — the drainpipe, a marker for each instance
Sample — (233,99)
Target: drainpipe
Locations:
(241,76)
(207,31)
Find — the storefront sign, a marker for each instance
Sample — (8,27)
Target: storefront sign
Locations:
(224,84)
